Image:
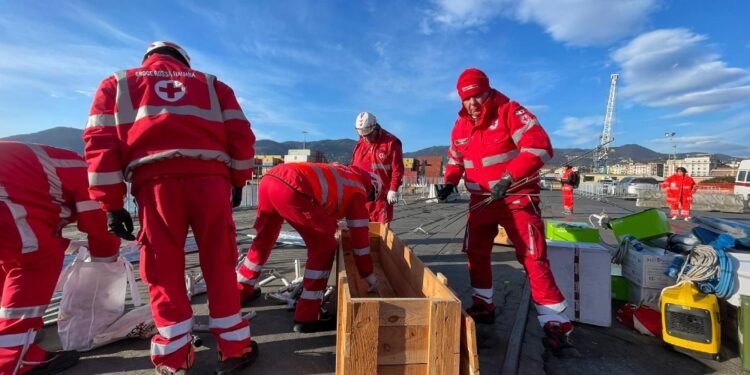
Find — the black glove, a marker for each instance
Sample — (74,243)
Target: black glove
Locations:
(445,191)
(500,190)
(121,224)
(236,196)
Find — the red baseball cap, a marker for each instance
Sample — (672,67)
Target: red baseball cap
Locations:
(472,82)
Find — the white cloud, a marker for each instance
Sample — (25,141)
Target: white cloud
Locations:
(676,68)
(574,22)
(581,130)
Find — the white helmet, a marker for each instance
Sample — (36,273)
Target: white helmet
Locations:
(366,123)
(165,44)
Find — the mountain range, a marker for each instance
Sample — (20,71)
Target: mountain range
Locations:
(340,150)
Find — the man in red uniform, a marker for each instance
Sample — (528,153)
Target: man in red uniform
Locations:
(181,138)
(498,146)
(311,197)
(380,152)
(567,181)
(680,188)
(42,189)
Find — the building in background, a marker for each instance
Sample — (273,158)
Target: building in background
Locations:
(265,162)
(304,156)
(700,166)
(430,166)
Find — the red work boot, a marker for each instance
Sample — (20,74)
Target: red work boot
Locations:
(557,335)
(482,312)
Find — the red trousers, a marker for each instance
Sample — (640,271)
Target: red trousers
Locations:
(278,202)
(521,218)
(380,211)
(26,285)
(567,194)
(675,208)
(167,207)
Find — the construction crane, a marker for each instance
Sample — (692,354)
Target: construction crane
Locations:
(602,153)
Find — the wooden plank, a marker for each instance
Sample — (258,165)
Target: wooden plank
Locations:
(385,289)
(513,351)
(420,277)
(400,285)
(413,369)
(469,353)
(444,353)
(402,344)
(363,353)
(343,325)
(404,312)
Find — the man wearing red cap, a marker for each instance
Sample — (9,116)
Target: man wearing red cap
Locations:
(379,151)
(498,147)
(181,138)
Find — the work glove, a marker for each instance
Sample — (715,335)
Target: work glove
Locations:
(373,281)
(236,196)
(392,197)
(445,191)
(121,224)
(500,190)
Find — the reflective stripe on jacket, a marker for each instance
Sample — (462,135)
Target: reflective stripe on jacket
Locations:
(164,119)
(45,188)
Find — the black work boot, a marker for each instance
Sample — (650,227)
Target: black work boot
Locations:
(245,302)
(326,322)
(482,313)
(56,362)
(234,364)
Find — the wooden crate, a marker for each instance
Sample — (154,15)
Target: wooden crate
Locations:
(502,237)
(412,325)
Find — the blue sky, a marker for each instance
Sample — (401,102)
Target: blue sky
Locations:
(313,65)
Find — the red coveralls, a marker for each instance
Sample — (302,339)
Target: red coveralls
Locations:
(180,136)
(311,197)
(506,138)
(567,190)
(385,158)
(680,189)
(42,189)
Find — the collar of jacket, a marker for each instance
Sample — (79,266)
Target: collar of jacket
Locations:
(489,109)
(157,57)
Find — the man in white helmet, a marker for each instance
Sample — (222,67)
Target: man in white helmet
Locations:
(180,137)
(379,151)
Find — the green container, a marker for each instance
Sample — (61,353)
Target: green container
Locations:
(646,224)
(571,232)
(620,288)
(744,335)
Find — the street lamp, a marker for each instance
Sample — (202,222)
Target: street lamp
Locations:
(671,136)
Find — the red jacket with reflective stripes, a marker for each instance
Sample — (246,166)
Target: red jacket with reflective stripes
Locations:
(43,189)
(342,192)
(566,178)
(506,138)
(164,119)
(383,157)
(679,188)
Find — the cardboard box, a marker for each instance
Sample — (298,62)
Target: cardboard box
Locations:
(647,267)
(590,262)
(571,232)
(646,296)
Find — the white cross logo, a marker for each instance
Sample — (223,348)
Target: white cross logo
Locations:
(169,90)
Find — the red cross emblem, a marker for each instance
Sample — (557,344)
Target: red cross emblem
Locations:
(169,90)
